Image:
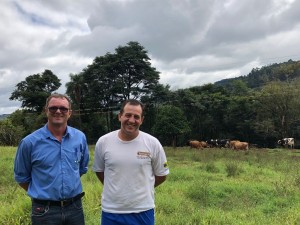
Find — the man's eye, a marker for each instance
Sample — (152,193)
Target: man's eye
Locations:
(135,117)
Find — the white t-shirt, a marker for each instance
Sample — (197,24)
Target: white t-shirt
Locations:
(129,168)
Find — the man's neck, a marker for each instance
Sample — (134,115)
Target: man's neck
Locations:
(57,131)
(127,137)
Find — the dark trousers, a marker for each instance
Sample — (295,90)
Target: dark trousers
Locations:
(47,214)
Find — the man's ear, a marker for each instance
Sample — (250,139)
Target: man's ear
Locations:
(70,113)
(142,119)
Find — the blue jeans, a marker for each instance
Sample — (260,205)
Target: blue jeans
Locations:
(71,214)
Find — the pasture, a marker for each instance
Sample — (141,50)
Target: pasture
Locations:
(210,186)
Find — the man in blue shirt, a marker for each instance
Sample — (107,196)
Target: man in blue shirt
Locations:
(48,165)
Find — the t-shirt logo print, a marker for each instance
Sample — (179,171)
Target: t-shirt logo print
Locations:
(143,155)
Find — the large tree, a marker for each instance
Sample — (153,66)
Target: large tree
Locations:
(112,78)
(33,91)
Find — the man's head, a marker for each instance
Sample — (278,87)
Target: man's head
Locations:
(58,109)
(132,102)
(131,117)
(56,95)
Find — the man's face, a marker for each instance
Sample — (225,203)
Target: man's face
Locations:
(58,111)
(131,120)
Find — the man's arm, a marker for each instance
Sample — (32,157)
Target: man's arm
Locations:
(100,176)
(159,180)
(24,186)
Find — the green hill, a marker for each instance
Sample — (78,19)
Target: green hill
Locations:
(258,77)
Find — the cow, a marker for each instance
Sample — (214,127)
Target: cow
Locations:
(223,143)
(287,142)
(204,144)
(212,143)
(195,144)
(231,143)
(238,145)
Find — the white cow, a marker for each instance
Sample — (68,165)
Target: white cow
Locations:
(287,142)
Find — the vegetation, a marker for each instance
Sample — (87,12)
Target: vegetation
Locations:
(170,123)
(259,108)
(35,89)
(211,186)
(9,134)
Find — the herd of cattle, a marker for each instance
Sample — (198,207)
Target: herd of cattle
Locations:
(235,144)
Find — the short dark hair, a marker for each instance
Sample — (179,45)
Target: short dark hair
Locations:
(132,102)
(56,95)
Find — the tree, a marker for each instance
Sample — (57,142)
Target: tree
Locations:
(35,89)
(75,90)
(136,76)
(240,116)
(161,94)
(207,114)
(187,101)
(170,123)
(10,135)
(113,78)
(280,101)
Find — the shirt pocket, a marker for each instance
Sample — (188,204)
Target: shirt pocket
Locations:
(78,156)
(74,157)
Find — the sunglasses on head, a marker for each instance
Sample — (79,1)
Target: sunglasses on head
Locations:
(53,109)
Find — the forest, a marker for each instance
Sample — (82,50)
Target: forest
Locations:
(260,107)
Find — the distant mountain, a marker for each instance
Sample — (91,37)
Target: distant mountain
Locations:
(3,116)
(258,77)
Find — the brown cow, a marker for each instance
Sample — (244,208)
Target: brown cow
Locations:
(195,144)
(204,144)
(241,145)
(231,143)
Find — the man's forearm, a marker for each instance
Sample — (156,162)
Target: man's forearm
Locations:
(100,176)
(159,180)
(24,186)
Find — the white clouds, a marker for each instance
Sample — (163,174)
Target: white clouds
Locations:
(190,42)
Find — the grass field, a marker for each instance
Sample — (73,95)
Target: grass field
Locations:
(211,186)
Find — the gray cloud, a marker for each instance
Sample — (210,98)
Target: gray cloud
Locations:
(190,42)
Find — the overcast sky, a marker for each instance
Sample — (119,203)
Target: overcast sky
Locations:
(191,42)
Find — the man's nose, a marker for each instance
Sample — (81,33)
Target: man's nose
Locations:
(131,118)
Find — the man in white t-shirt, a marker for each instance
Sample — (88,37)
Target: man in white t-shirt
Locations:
(129,163)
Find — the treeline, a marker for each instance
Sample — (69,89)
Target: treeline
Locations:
(259,108)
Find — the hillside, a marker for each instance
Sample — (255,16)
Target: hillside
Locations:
(3,116)
(258,77)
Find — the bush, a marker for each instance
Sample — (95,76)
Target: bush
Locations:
(232,169)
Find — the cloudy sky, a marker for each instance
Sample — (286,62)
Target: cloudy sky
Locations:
(191,42)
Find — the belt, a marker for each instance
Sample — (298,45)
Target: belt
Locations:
(61,203)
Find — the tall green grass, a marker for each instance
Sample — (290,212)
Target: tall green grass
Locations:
(211,186)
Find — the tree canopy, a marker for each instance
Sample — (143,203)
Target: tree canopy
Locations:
(258,108)
(170,123)
(112,78)
(34,90)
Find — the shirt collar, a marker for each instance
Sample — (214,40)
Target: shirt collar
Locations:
(47,134)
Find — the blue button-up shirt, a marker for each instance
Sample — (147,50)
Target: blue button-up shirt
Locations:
(52,168)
